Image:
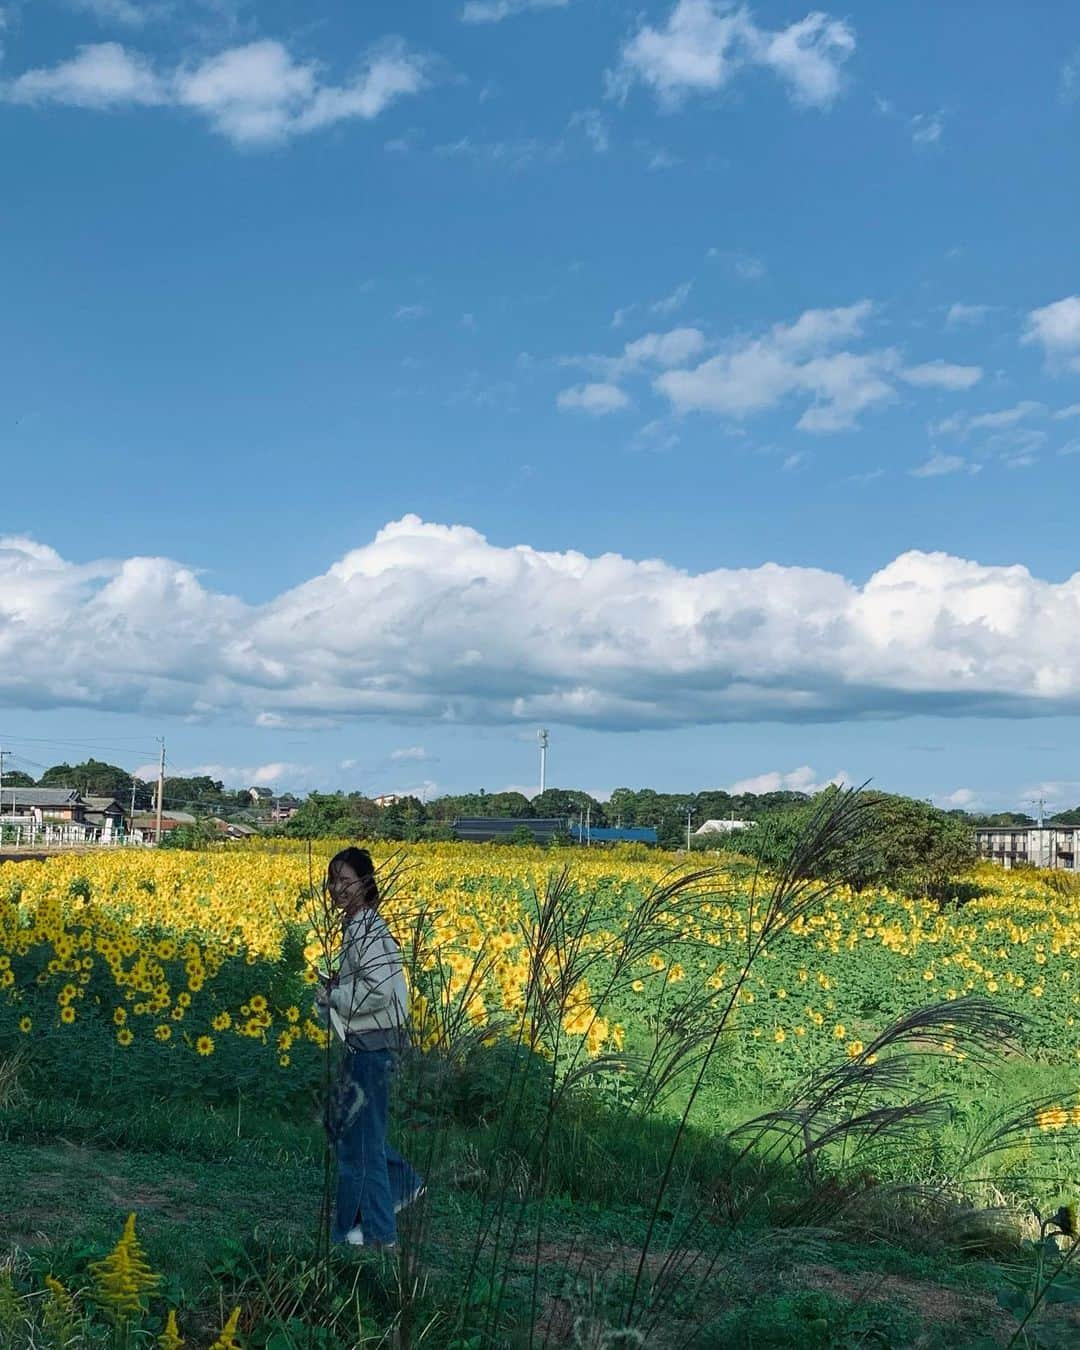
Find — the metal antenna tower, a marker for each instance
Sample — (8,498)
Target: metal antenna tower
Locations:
(543,738)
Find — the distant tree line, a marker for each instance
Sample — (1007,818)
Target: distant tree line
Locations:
(903,843)
(338,815)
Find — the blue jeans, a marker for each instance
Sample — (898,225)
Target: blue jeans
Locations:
(372,1176)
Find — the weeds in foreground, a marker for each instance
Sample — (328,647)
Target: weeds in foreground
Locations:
(1051,1279)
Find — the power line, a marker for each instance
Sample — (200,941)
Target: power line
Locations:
(134,741)
(81,746)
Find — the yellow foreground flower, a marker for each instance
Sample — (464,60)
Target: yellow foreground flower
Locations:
(124,1277)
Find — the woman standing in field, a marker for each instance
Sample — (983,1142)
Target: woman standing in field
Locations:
(365,1001)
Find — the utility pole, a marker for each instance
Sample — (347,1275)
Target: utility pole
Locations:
(689,813)
(543,737)
(588,826)
(2,754)
(131,813)
(160,790)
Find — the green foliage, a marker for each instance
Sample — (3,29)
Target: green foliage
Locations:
(907,845)
(334,815)
(202,794)
(472,1090)
(196,836)
(812,1320)
(1049,1277)
(95,778)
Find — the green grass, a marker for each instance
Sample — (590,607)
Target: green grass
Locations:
(228,1214)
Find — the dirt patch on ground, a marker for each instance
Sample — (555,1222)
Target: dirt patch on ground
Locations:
(935,1304)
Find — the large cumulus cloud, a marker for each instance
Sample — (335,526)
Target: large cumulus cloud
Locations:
(434,622)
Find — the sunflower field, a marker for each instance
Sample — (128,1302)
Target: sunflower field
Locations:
(192,973)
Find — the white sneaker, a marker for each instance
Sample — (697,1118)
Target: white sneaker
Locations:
(355,1238)
(410,1199)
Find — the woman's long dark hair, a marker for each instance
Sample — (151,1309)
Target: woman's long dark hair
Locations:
(359,859)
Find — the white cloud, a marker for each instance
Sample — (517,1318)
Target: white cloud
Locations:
(808,56)
(416,753)
(652,349)
(959,313)
(670,303)
(425,790)
(661,349)
(595,128)
(127,13)
(961,799)
(660,158)
(791,360)
(272,721)
(255,95)
(706,43)
(748,267)
(1070,78)
(657,436)
(1055,794)
(410,311)
(963,424)
(745,266)
(803,779)
(1056,328)
(432,622)
(939,465)
(942,375)
(100,76)
(494,11)
(515,154)
(258,775)
(927,128)
(598,399)
(1073,410)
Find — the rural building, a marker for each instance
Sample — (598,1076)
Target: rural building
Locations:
(1030,845)
(621,834)
(144,823)
(724,826)
(105,814)
(260,796)
(484,829)
(52,806)
(388,799)
(230,830)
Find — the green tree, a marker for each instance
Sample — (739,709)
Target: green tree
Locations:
(14,778)
(563,802)
(910,846)
(96,778)
(333,815)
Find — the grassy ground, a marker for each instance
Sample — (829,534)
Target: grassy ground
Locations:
(230,1210)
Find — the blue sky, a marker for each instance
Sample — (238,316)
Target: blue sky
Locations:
(780,307)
